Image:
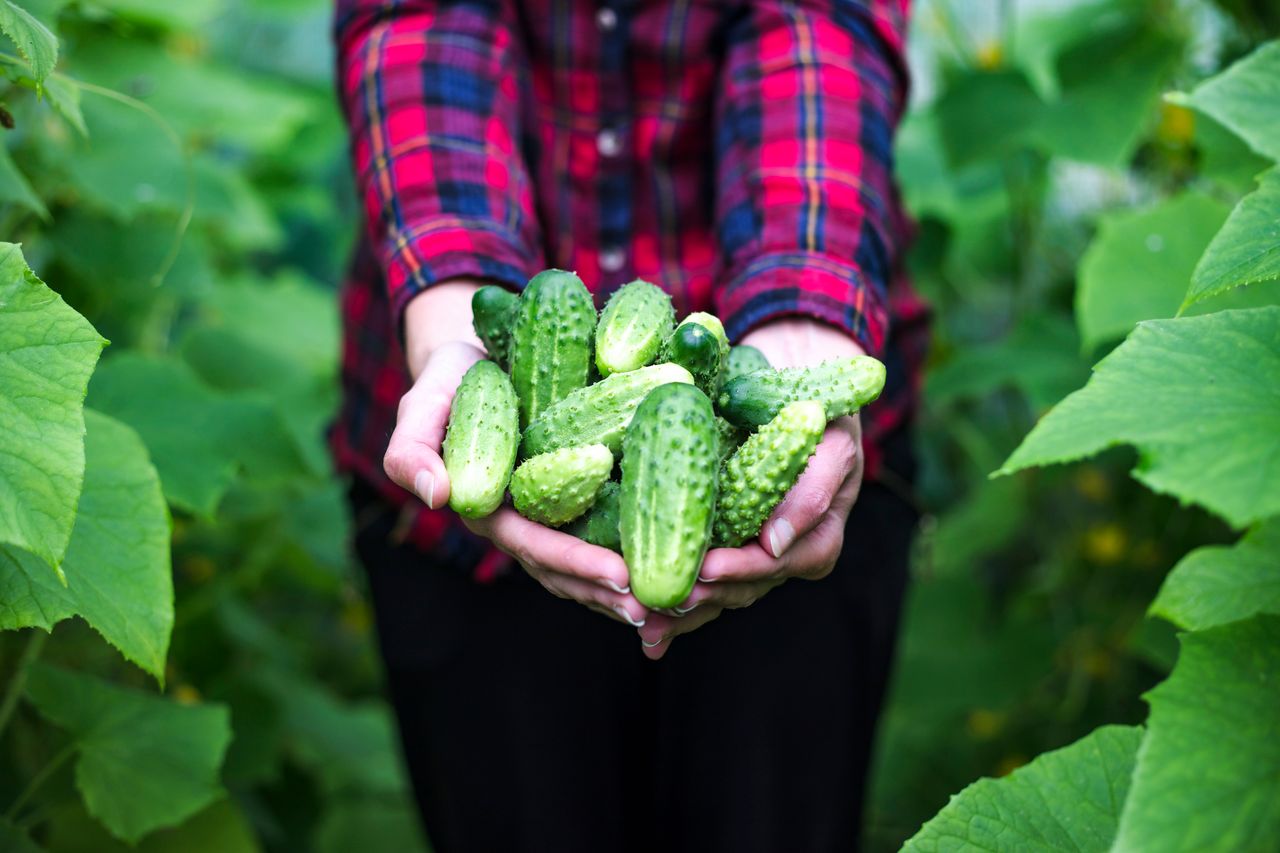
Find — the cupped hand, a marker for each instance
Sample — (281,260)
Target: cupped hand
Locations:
(563,564)
(804,535)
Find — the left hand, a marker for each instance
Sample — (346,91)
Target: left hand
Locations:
(804,535)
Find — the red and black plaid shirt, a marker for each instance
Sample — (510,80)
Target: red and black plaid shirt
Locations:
(737,153)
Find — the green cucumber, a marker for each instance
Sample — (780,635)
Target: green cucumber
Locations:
(669,474)
(729,436)
(696,348)
(493,313)
(551,341)
(599,413)
(759,474)
(555,488)
(600,525)
(842,387)
(480,444)
(634,325)
(744,359)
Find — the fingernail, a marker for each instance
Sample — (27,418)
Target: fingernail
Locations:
(648,645)
(613,586)
(425,485)
(681,611)
(780,535)
(622,611)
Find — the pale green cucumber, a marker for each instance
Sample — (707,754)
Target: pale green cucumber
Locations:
(555,488)
(599,413)
(480,443)
(634,325)
(669,473)
(842,387)
(551,341)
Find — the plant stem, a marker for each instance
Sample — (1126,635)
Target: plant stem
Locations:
(9,704)
(40,778)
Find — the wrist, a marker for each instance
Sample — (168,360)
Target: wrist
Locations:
(437,316)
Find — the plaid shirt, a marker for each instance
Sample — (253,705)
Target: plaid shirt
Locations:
(736,152)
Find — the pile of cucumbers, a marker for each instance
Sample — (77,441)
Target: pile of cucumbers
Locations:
(574,398)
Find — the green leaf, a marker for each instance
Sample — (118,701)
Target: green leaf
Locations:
(1138,264)
(198,438)
(1065,800)
(179,16)
(63,94)
(1219,584)
(47,352)
(1041,37)
(1199,398)
(117,565)
(16,189)
(32,38)
(220,828)
(15,840)
(1208,773)
(1225,158)
(144,762)
(1245,98)
(1247,249)
(367,824)
(986,115)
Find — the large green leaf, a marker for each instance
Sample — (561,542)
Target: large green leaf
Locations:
(1247,249)
(117,564)
(1218,584)
(1198,396)
(1245,98)
(1139,262)
(1042,36)
(1065,800)
(47,352)
(144,762)
(984,115)
(32,38)
(198,437)
(1208,773)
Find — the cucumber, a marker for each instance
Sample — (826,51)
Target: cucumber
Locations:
(551,341)
(493,312)
(480,443)
(729,436)
(669,475)
(634,326)
(600,525)
(744,359)
(557,487)
(842,387)
(712,324)
(695,347)
(759,474)
(598,414)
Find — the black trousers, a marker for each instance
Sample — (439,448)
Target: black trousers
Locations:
(530,723)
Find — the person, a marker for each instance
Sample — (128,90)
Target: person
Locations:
(738,153)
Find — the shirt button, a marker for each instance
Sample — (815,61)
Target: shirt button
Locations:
(609,143)
(606,19)
(612,258)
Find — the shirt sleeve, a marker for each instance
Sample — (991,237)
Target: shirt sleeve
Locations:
(807,216)
(431,91)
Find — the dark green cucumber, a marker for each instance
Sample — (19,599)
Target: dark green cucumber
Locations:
(712,324)
(599,413)
(555,488)
(493,313)
(744,359)
(759,474)
(600,525)
(551,341)
(842,387)
(696,348)
(669,474)
(634,325)
(480,444)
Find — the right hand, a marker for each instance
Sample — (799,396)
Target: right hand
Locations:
(441,347)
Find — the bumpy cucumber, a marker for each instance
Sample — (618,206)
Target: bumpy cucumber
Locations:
(634,325)
(842,387)
(551,341)
(480,444)
(744,359)
(729,436)
(493,312)
(758,475)
(557,487)
(696,349)
(599,413)
(669,475)
(600,525)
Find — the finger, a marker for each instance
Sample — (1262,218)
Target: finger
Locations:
(617,606)
(413,458)
(748,563)
(725,595)
(811,497)
(544,549)
(659,631)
